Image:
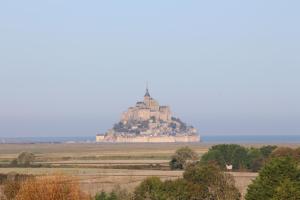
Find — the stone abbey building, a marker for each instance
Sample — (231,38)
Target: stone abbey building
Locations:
(147,121)
(147,109)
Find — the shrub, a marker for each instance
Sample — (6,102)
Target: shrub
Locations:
(24,159)
(101,196)
(150,188)
(12,183)
(200,182)
(116,194)
(11,189)
(50,188)
(183,189)
(182,157)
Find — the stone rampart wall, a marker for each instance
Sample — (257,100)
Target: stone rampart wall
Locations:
(149,139)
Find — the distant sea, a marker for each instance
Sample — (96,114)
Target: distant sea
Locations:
(251,139)
(206,139)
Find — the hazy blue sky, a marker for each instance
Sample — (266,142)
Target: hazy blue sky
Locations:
(72,67)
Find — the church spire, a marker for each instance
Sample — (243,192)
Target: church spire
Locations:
(147,91)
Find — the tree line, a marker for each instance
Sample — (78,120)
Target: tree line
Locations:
(239,157)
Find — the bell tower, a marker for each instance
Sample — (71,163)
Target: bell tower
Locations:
(147,97)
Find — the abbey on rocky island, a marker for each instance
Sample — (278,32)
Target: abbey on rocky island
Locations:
(146,110)
(147,121)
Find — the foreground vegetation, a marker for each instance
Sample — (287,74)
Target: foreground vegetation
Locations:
(279,176)
(204,177)
(199,182)
(246,159)
(239,157)
(56,187)
(278,180)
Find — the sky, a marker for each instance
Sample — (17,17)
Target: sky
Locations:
(70,68)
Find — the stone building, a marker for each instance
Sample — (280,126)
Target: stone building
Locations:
(146,110)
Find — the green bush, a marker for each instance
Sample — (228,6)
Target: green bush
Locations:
(275,175)
(200,182)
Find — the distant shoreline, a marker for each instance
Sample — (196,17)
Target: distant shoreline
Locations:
(213,139)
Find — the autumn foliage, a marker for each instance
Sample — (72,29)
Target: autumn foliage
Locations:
(56,187)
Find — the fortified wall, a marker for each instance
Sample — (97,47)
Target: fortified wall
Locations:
(148,139)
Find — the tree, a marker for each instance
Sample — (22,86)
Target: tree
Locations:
(200,182)
(219,184)
(150,188)
(297,154)
(24,159)
(239,157)
(282,152)
(182,157)
(116,194)
(113,196)
(121,194)
(154,189)
(256,159)
(287,190)
(267,150)
(230,154)
(101,196)
(185,190)
(286,151)
(258,156)
(271,177)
